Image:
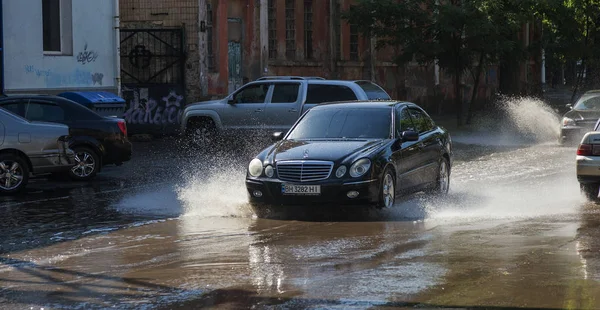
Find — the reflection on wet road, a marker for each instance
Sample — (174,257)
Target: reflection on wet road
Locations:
(173,230)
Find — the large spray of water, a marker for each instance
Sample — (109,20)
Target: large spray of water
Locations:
(519,182)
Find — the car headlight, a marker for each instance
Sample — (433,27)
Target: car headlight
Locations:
(568,122)
(341,171)
(255,168)
(360,167)
(269,171)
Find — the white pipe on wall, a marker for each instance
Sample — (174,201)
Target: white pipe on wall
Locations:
(117,26)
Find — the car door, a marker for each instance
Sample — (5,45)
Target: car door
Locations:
(282,110)
(406,156)
(429,143)
(246,108)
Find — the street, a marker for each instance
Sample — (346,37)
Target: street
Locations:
(171,229)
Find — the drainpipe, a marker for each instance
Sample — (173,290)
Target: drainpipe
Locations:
(1,47)
(117,27)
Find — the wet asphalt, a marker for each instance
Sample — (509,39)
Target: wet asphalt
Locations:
(172,230)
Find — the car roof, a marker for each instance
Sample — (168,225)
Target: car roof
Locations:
(387,104)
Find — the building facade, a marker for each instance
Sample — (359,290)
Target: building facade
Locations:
(52,46)
(226,43)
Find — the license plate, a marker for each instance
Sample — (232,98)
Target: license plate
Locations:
(292,189)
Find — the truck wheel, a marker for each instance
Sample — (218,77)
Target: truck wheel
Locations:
(14,173)
(202,133)
(590,191)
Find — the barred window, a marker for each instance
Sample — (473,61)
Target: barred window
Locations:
(308,29)
(209,38)
(290,30)
(272,13)
(353,42)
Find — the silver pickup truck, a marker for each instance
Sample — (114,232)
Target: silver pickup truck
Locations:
(269,104)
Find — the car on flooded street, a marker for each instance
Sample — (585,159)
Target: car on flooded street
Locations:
(588,164)
(581,118)
(30,148)
(96,140)
(360,153)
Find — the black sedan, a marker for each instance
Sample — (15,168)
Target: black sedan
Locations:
(96,140)
(581,118)
(361,153)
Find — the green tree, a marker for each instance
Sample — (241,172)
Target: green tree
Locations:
(455,34)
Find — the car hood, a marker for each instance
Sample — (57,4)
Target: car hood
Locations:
(583,115)
(205,104)
(330,150)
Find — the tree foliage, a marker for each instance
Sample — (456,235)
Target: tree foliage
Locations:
(459,35)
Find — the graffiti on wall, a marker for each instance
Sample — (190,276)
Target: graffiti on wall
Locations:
(54,79)
(156,105)
(86,56)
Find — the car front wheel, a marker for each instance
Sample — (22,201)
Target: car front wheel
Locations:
(590,191)
(442,185)
(87,164)
(387,190)
(14,174)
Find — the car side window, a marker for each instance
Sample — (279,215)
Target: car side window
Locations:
(404,122)
(285,92)
(422,122)
(256,93)
(16,107)
(42,111)
(373,91)
(318,93)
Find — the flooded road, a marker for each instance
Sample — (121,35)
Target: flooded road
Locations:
(172,230)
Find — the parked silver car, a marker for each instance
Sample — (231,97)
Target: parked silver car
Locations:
(30,148)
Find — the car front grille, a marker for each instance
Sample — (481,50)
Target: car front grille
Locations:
(304,171)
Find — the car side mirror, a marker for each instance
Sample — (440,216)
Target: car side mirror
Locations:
(409,135)
(569,106)
(231,101)
(277,136)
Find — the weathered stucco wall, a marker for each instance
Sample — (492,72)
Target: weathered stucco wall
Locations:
(88,59)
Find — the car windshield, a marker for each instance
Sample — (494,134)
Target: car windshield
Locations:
(343,123)
(588,102)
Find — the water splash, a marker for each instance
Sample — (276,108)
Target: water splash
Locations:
(517,121)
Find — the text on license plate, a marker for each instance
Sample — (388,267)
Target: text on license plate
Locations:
(292,189)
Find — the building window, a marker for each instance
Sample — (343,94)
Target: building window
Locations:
(290,30)
(272,13)
(51,19)
(209,38)
(338,29)
(57,27)
(353,42)
(308,29)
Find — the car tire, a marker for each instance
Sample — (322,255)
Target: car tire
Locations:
(387,189)
(442,182)
(15,169)
(203,133)
(590,191)
(87,164)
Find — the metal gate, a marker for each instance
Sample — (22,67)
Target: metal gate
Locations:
(152,78)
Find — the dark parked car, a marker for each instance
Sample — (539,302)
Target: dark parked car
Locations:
(352,153)
(581,118)
(96,140)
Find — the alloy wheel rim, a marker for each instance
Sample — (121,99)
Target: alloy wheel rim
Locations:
(85,164)
(388,191)
(11,175)
(201,135)
(444,181)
